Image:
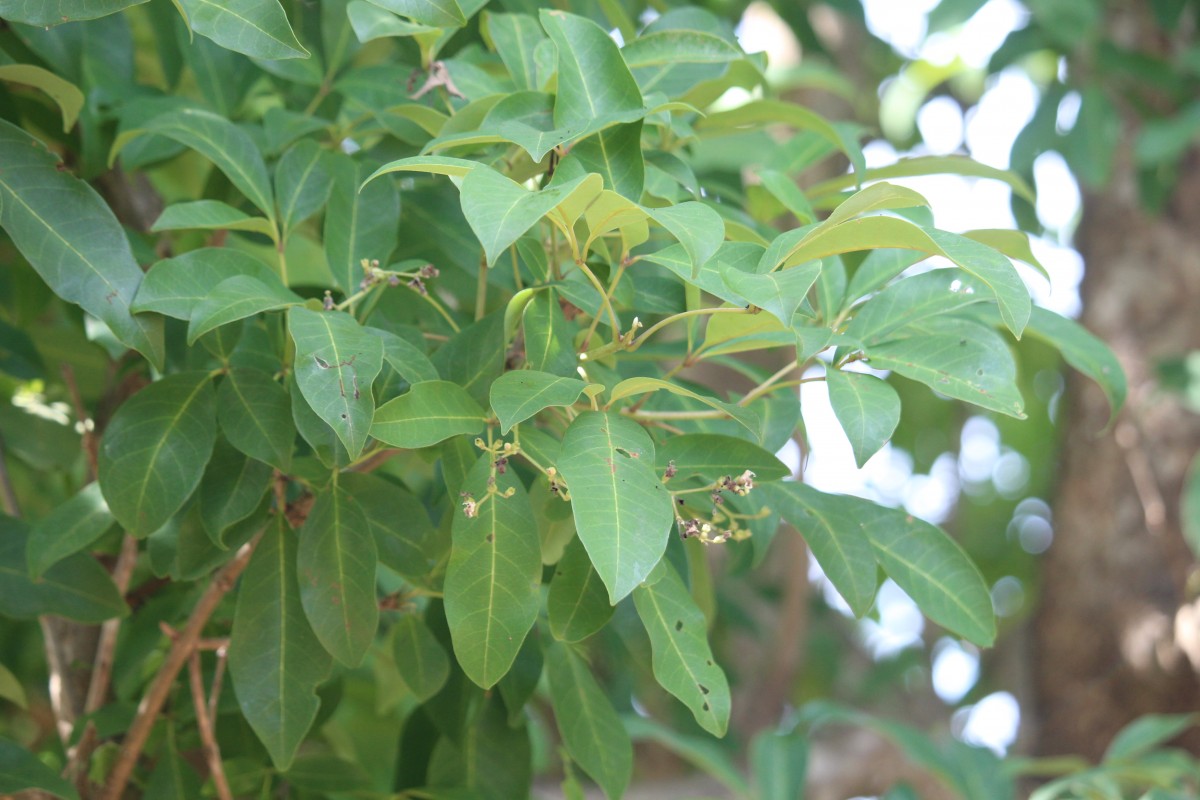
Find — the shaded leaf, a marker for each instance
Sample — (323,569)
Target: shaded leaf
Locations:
(210,215)
(515,37)
(275,659)
(578,602)
(230,491)
(63,92)
(174,286)
(336,563)
(616,154)
(154,449)
(302,183)
(405,538)
(635,386)
(359,224)
(68,529)
(549,345)
(422,662)
(19,768)
(258,28)
(237,298)
(778,293)
(255,416)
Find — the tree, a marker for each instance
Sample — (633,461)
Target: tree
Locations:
(355,354)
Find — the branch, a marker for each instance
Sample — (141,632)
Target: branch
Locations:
(212,753)
(181,650)
(90,449)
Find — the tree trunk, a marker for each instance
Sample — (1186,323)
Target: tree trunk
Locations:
(1116,634)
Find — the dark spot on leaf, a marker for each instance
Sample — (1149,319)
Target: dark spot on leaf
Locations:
(979,372)
(491,538)
(678,624)
(706,706)
(703,688)
(709,662)
(624,452)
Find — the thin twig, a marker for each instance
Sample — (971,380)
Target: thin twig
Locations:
(8,495)
(90,448)
(212,752)
(160,687)
(214,695)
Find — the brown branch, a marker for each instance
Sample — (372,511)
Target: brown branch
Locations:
(90,448)
(160,687)
(212,752)
(214,695)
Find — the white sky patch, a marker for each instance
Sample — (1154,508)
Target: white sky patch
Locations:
(1006,107)
(982,34)
(902,25)
(940,122)
(991,723)
(1058,197)
(955,669)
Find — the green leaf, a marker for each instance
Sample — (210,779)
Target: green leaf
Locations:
(830,526)
(931,568)
(56,12)
(172,778)
(428,413)
(422,662)
(371,22)
(868,409)
(578,602)
(434,13)
(933,293)
(68,529)
(779,763)
(515,37)
(77,587)
(777,293)
(63,92)
(359,224)
(69,235)
(154,450)
(405,538)
(785,190)
(927,165)
(258,28)
(174,286)
(714,456)
(256,417)
(230,491)
(702,752)
(616,155)
(697,227)
(622,513)
(590,727)
(336,562)
(521,681)
(435,165)
(958,358)
(634,386)
(302,183)
(11,688)
(666,61)
(237,298)
(336,363)
(1084,352)
(218,140)
(489,761)
(549,344)
(19,768)
(492,582)
(210,215)
(475,356)
(500,211)
(1146,733)
(683,663)
(1189,511)
(742,256)
(275,659)
(593,80)
(517,396)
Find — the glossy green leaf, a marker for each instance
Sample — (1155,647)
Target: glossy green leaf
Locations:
(635,386)
(927,165)
(258,28)
(422,662)
(275,659)
(302,183)
(492,582)
(500,211)
(256,417)
(590,727)
(683,662)
(578,602)
(593,79)
(20,769)
(742,256)
(434,13)
(153,452)
(405,538)
(175,286)
(517,396)
(405,358)
(210,215)
(868,409)
(68,529)
(230,491)
(778,293)
(56,12)
(785,190)
(1014,244)
(63,92)
(359,224)
(697,227)
(515,38)
(220,141)
(955,357)
(336,563)
(830,526)
(428,413)
(673,61)
(435,165)
(68,234)
(714,456)
(549,345)
(616,155)
(372,22)
(933,293)
(623,514)
(336,363)
(77,587)
(237,298)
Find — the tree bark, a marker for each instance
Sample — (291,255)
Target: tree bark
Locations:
(1116,632)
